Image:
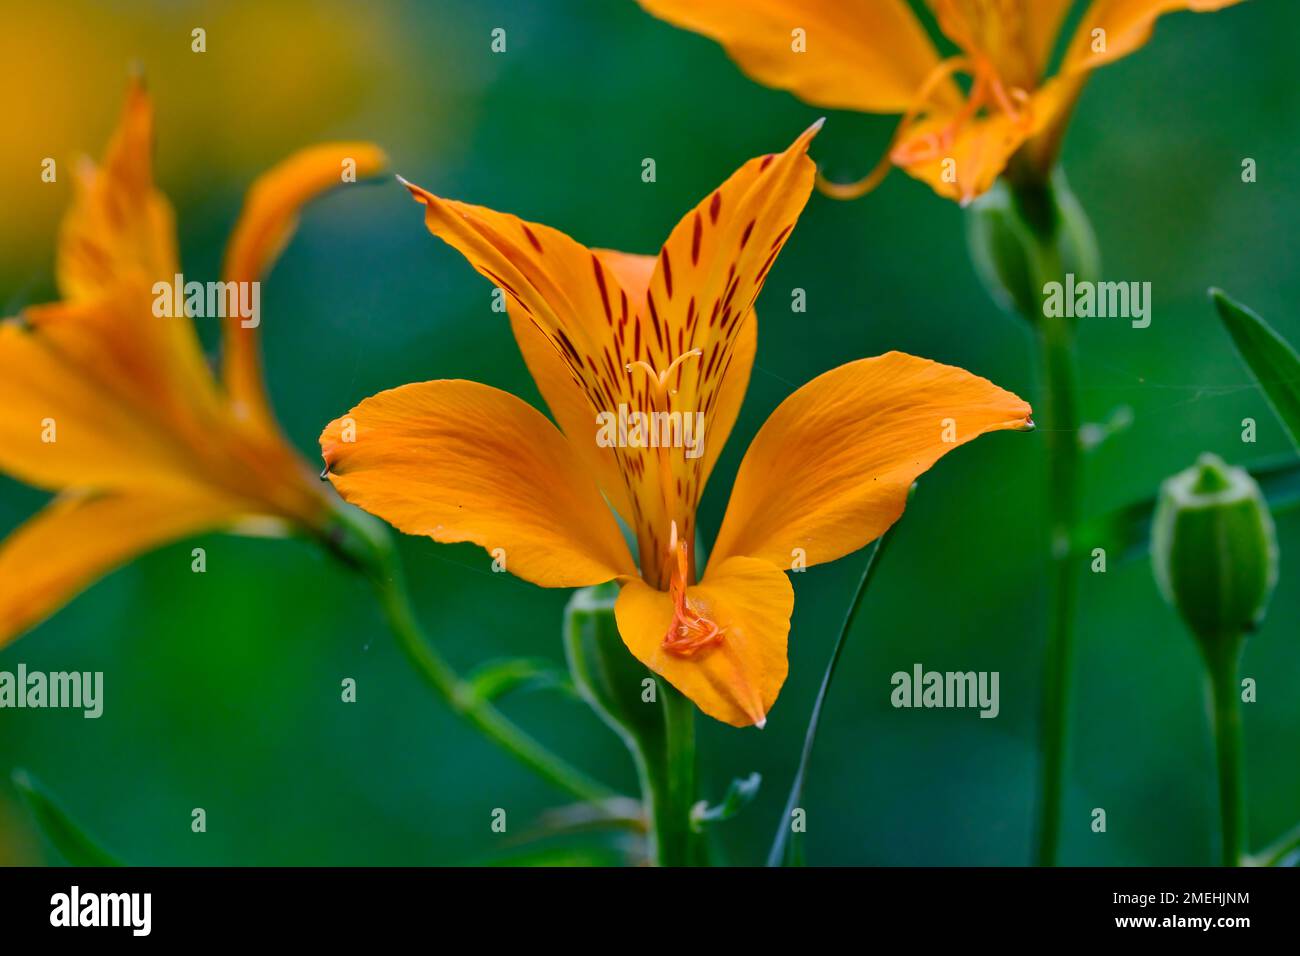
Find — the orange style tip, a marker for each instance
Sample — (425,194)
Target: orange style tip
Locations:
(816,127)
(1028,426)
(761,722)
(403,180)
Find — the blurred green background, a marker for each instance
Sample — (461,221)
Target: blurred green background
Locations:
(222,689)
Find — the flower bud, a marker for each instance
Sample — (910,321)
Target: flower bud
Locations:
(1214,550)
(1024,235)
(613,682)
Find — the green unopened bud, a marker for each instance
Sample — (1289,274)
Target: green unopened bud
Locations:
(1025,234)
(616,685)
(1214,550)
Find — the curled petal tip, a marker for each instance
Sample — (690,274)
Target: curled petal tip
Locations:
(761,722)
(403,180)
(1028,426)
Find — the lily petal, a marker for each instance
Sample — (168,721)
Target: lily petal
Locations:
(118,220)
(119,227)
(869,55)
(1109,30)
(830,470)
(706,279)
(738,679)
(1043,21)
(961,158)
(460,461)
(1127,26)
(117,341)
(559,284)
(63,427)
(572,409)
(648,351)
(1015,36)
(566,399)
(265,226)
(78,538)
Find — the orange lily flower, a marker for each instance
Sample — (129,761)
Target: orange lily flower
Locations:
(114,407)
(875,56)
(672,334)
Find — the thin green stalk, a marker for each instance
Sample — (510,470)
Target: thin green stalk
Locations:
(776,856)
(462,699)
(368,548)
(1031,231)
(1061,422)
(1225,711)
(676,844)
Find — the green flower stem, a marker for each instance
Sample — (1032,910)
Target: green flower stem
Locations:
(776,856)
(1061,423)
(1225,710)
(368,547)
(1026,232)
(676,844)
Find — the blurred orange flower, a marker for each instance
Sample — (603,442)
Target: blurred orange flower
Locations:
(875,56)
(640,358)
(113,405)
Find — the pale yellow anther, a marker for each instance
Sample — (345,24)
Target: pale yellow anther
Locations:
(661,378)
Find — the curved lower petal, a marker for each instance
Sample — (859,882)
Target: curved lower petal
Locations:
(830,470)
(737,680)
(267,222)
(460,461)
(870,55)
(79,538)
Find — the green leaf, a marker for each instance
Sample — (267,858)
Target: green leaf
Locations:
(64,835)
(1126,533)
(495,679)
(739,795)
(1270,357)
(608,677)
(787,847)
